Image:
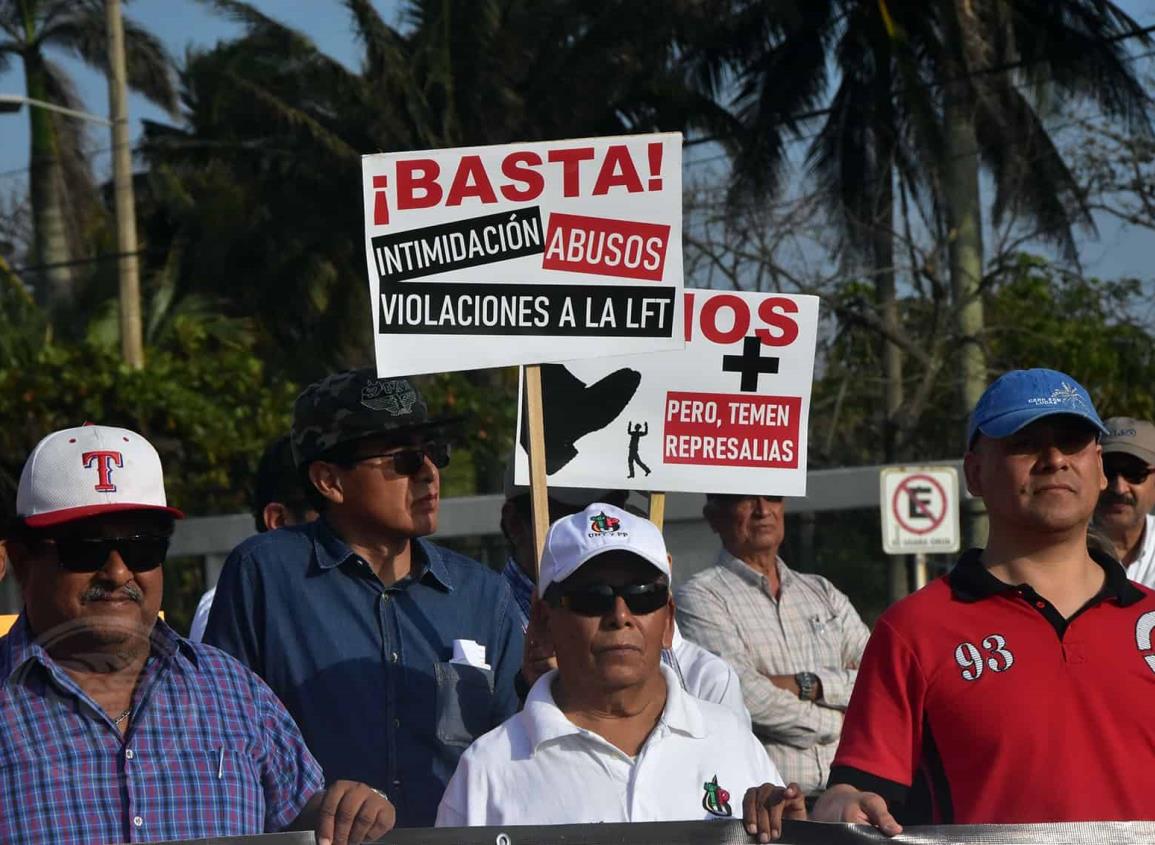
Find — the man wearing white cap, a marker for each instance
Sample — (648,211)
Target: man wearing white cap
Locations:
(1124,510)
(700,673)
(611,718)
(112,727)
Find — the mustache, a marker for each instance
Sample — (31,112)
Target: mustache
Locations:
(98,592)
(1109,498)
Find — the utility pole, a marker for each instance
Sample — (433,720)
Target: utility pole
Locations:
(131,333)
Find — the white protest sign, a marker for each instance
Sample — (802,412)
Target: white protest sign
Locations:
(920,510)
(728,413)
(524,253)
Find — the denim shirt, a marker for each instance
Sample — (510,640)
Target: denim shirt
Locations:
(365,669)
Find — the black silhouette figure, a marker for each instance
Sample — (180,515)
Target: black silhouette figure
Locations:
(636,433)
(572,409)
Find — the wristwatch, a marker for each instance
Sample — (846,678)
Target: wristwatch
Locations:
(807,685)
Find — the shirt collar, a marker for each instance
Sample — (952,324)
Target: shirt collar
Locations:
(970,581)
(331,552)
(545,721)
(748,573)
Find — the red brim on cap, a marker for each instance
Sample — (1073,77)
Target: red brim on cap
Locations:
(46,520)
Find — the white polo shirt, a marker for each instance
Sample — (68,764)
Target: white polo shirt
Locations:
(1143,568)
(538,767)
(705,675)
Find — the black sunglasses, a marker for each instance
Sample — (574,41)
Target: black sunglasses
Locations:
(599,599)
(409,461)
(1131,474)
(140,552)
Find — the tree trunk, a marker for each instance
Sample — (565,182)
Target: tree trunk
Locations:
(964,219)
(51,253)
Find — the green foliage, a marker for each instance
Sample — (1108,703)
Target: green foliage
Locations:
(209,409)
(1088,327)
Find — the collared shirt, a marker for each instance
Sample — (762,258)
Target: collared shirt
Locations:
(209,751)
(366,670)
(700,673)
(541,768)
(1142,569)
(730,610)
(979,703)
(522,587)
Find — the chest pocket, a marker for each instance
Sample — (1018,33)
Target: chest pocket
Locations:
(224,776)
(464,702)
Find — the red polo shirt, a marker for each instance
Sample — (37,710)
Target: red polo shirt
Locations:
(976,702)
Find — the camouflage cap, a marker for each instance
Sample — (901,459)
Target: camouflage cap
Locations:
(348,406)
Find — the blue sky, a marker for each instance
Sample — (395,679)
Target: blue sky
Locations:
(181,24)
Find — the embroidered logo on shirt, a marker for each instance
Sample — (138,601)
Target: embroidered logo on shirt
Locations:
(716,801)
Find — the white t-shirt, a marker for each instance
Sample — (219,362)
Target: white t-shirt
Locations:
(540,768)
(1143,569)
(706,675)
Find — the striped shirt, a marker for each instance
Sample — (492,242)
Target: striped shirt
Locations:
(730,610)
(209,751)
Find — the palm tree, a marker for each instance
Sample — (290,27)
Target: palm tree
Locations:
(61,182)
(926,93)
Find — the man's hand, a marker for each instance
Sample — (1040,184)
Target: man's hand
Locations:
(347,813)
(764,807)
(843,803)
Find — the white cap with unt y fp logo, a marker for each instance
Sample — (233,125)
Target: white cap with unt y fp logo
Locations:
(80,472)
(600,528)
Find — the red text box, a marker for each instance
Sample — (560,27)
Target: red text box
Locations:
(725,429)
(606,247)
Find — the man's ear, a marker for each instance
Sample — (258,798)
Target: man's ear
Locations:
(971,473)
(275,515)
(710,513)
(1102,472)
(326,478)
(539,623)
(668,633)
(3,558)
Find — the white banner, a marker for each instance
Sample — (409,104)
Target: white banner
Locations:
(524,253)
(726,414)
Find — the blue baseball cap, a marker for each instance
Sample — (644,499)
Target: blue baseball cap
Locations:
(1019,397)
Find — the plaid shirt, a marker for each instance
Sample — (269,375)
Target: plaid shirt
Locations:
(209,752)
(812,627)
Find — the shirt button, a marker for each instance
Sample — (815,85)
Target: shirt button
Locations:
(396,723)
(393,657)
(138,821)
(1040,605)
(128,755)
(384,599)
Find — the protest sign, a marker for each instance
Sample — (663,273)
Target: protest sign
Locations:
(728,413)
(524,253)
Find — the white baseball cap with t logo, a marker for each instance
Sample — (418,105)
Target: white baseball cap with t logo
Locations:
(87,471)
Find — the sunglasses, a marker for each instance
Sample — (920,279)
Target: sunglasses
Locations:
(140,552)
(409,461)
(1131,474)
(599,599)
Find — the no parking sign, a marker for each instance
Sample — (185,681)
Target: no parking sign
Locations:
(920,512)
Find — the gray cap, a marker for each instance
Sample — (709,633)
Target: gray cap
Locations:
(1131,437)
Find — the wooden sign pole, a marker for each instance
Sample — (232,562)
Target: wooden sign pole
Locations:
(658,509)
(539,493)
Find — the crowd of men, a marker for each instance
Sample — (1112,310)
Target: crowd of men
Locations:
(347,675)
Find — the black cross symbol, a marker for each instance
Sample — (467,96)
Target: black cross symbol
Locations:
(750,364)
